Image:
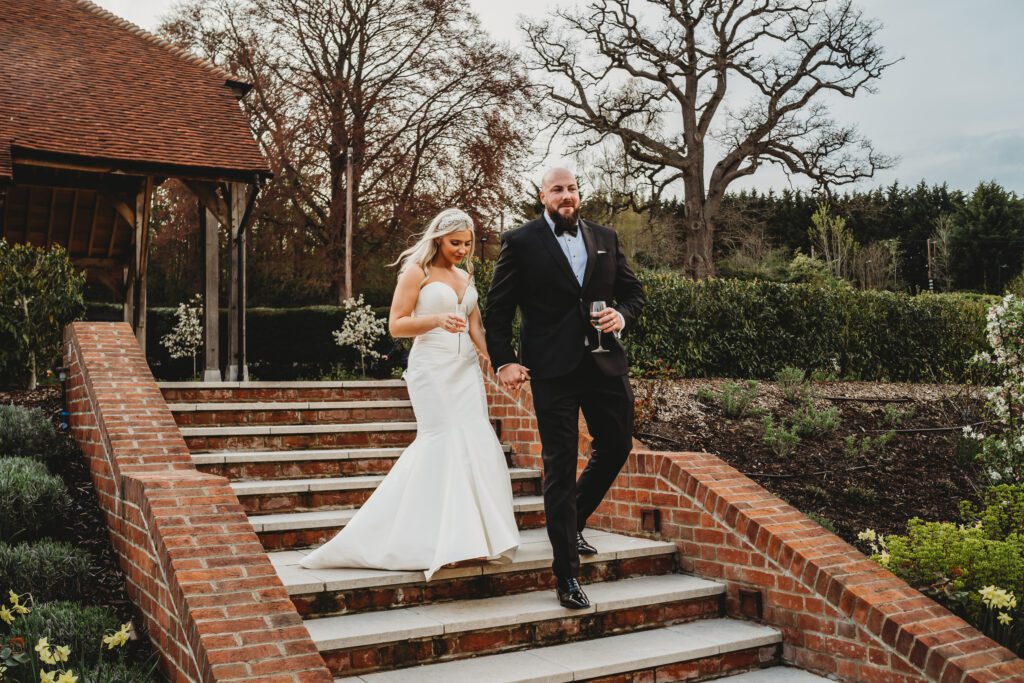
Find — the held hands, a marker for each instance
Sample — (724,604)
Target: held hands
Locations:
(512,377)
(609,320)
(450,322)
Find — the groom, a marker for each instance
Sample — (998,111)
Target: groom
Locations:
(553,269)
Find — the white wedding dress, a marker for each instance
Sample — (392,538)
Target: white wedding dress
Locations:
(448,497)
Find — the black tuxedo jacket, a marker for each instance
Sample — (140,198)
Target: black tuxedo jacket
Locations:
(533,274)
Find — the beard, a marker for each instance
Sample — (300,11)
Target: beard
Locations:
(563,222)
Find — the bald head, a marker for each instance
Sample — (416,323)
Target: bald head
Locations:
(557,173)
(560,195)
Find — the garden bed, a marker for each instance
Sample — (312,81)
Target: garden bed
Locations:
(924,469)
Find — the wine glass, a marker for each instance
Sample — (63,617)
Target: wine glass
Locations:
(460,311)
(595,309)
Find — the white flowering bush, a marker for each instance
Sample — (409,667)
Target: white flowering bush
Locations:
(186,338)
(1001,440)
(361,330)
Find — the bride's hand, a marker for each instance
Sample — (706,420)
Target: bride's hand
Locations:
(449,322)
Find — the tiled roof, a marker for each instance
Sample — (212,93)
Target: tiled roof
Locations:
(78,80)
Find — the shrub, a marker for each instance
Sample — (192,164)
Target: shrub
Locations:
(894,416)
(810,421)
(732,328)
(32,501)
(781,440)
(27,433)
(737,398)
(40,293)
(854,448)
(69,623)
(49,570)
(792,383)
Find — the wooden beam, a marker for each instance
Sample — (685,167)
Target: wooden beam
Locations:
(208,196)
(113,236)
(97,263)
(142,213)
(236,305)
(211,300)
(183,173)
(92,229)
(5,220)
(74,217)
(28,212)
(49,227)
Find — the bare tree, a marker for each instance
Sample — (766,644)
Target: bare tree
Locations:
(874,264)
(834,241)
(659,76)
(941,252)
(434,112)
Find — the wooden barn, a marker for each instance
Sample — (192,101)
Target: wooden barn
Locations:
(94,114)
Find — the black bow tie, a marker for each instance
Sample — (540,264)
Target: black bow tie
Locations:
(561,228)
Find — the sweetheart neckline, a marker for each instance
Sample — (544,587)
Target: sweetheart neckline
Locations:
(458,299)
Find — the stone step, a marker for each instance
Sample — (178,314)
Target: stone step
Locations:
(322,592)
(675,653)
(194,392)
(284,437)
(357,643)
(290,412)
(327,493)
(332,462)
(292,530)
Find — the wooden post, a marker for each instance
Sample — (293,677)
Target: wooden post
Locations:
(348,223)
(211,328)
(237,370)
(143,202)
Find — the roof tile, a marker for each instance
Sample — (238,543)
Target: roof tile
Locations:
(78,80)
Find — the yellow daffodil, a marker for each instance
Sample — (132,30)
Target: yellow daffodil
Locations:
(47,677)
(118,638)
(1004,618)
(62,653)
(67,677)
(5,615)
(16,603)
(45,655)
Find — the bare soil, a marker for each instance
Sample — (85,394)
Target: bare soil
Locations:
(924,470)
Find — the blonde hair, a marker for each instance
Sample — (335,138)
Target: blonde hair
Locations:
(423,252)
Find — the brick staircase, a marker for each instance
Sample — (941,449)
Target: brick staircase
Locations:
(302,457)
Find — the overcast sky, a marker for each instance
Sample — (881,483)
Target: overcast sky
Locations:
(952,110)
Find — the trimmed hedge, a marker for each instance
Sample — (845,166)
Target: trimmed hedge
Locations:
(33,502)
(282,344)
(712,328)
(27,433)
(734,328)
(49,570)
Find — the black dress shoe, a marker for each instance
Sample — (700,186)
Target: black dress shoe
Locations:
(582,547)
(570,594)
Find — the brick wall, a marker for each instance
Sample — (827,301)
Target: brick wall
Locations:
(211,600)
(841,614)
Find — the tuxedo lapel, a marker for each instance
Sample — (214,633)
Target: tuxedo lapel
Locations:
(546,236)
(588,241)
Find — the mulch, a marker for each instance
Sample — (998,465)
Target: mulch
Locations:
(923,471)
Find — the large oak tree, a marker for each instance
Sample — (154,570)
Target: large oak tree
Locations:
(705,92)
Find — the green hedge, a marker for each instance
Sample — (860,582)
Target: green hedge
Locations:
(283,343)
(28,433)
(49,570)
(712,328)
(734,328)
(33,502)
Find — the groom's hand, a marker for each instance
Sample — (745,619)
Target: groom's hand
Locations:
(512,376)
(610,320)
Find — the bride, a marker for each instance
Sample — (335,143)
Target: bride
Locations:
(448,497)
